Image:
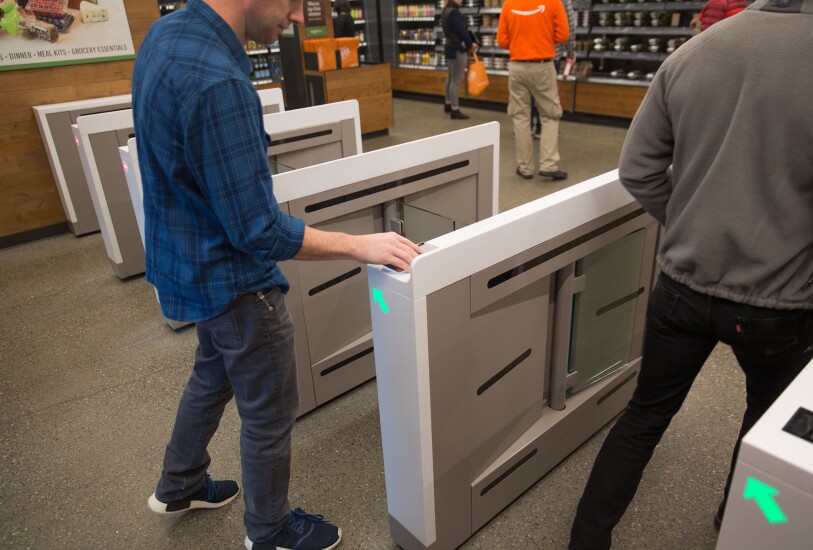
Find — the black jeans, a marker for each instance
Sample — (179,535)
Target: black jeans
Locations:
(683,327)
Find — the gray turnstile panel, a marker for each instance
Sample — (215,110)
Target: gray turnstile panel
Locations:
(302,138)
(113,185)
(99,137)
(272,100)
(331,287)
(313,144)
(61,146)
(472,354)
(359,195)
(55,122)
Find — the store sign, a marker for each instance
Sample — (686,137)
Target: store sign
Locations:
(46,33)
(314,13)
(314,19)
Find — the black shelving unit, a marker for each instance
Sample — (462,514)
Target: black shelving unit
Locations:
(365,14)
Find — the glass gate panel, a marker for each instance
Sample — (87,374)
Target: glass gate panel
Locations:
(421,225)
(604,312)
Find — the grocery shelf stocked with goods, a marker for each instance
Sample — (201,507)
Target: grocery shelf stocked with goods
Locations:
(619,46)
(266,63)
(629,40)
(418,36)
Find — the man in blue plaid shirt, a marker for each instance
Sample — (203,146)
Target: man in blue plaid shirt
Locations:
(214,235)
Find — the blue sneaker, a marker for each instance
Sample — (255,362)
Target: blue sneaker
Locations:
(302,531)
(213,494)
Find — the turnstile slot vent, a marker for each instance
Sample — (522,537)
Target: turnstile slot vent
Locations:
(508,472)
(302,137)
(617,387)
(346,362)
(326,285)
(620,302)
(494,379)
(801,424)
(539,260)
(384,187)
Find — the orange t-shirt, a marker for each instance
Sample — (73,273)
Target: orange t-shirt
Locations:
(530,29)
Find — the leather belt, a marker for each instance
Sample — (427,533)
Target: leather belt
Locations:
(531,60)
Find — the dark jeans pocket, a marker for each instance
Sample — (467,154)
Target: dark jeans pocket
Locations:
(774,335)
(223,330)
(663,300)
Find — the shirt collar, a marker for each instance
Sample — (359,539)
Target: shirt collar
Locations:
(222,30)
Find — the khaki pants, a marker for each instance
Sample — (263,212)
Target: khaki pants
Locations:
(537,80)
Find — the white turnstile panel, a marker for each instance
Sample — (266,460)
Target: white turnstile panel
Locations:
(298,138)
(272,100)
(55,122)
(452,174)
(303,137)
(770,502)
(473,352)
(99,137)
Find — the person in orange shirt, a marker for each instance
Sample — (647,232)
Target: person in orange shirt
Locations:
(530,30)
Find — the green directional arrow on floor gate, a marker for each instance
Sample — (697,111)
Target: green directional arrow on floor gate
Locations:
(763,494)
(378,297)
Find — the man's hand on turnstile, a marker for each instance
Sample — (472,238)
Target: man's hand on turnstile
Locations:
(377,248)
(390,249)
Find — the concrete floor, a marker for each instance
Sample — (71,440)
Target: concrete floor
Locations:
(91,377)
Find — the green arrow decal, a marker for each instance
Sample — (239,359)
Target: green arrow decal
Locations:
(763,495)
(378,297)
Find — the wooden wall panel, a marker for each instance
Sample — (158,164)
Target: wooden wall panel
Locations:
(371,86)
(497,91)
(608,99)
(28,194)
(421,81)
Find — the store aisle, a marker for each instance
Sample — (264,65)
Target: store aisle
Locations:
(586,149)
(91,377)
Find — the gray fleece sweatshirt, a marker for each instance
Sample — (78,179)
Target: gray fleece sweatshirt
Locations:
(731,112)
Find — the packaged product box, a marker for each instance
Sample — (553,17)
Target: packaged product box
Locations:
(348,52)
(320,54)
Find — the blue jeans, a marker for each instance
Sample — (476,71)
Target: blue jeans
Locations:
(683,327)
(247,352)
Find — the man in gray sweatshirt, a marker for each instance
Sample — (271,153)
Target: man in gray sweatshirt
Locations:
(721,153)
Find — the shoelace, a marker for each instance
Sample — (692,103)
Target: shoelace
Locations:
(211,488)
(296,521)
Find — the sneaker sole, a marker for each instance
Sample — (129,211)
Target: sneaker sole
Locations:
(250,545)
(177,508)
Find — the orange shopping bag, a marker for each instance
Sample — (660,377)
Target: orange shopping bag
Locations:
(477,78)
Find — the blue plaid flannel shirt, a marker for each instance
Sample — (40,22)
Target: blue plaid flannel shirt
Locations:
(213,227)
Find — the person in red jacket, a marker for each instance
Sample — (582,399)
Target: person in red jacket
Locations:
(717,10)
(530,30)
